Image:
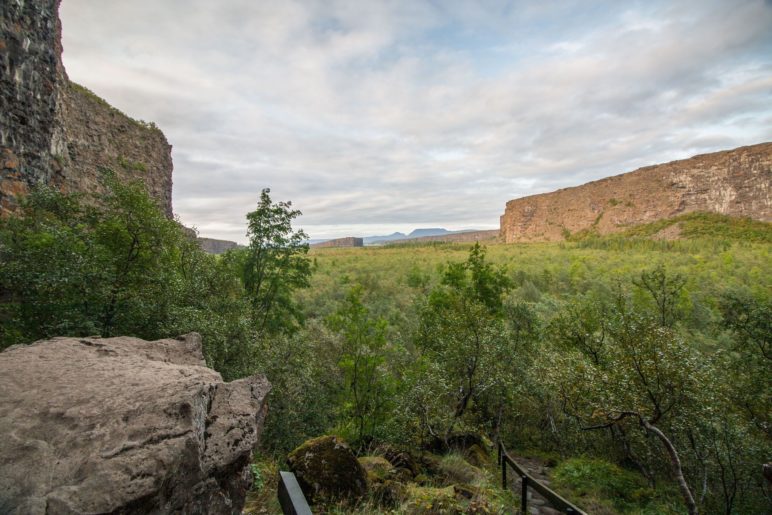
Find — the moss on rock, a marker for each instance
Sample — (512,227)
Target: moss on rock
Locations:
(477,456)
(327,470)
(378,469)
(424,500)
(402,459)
(457,470)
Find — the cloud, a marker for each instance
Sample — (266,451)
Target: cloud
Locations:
(391,114)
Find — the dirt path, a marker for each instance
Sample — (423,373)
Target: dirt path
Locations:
(537,505)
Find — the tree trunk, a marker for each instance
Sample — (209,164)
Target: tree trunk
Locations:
(691,506)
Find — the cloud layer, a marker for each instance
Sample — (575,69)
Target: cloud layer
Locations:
(379,116)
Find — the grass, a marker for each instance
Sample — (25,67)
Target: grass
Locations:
(602,487)
(263,497)
(458,470)
(708,225)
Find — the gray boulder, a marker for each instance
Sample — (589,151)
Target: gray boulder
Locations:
(327,470)
(123,425)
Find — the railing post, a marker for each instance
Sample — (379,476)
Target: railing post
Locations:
(498,456)
(291,498)
(503,473)
(524,495)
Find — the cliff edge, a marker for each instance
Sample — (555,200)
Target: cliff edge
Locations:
(734,182)
(58,133)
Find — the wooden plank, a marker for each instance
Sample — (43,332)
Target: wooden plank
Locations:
(291,497)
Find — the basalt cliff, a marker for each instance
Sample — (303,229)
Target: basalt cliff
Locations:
(55,132)
(734,182)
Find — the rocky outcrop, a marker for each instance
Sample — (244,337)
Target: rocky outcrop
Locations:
(340,242)
(123,425)
(736,182)
(327,470)
(214,246)
(455,237)
(55,132)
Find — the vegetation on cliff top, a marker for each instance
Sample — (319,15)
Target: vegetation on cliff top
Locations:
(708,225)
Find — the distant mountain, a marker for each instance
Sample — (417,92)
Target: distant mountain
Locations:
(372,240)
(436,231)
(399,236)
(417,233)
(453,237)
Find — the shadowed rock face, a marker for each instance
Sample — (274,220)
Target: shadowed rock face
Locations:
(57,133)
(735,182)
(123,425)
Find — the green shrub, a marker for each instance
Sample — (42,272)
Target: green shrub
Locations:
(607,484)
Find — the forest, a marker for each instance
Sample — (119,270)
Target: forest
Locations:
(640,369)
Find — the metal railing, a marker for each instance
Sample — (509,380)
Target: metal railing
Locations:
(528,481)
(291,497)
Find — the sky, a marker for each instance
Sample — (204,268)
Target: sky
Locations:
(382,116)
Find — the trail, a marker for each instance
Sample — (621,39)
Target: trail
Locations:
(537,505)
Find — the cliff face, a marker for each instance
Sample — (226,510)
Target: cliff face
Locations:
(30,66)
(215,246)
(55,132)
(735,182)
(341,242)
(98,137)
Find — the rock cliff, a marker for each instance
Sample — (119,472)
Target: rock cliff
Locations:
(215,246)
(55,132)
(735,182)
(455,237)
(340,242)
(122,425)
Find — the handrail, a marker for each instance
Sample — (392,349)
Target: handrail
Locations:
(291,497)
(527,480)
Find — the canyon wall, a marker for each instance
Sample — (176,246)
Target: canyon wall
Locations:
(215,246)
(734,182)
(340,242)
(57,133)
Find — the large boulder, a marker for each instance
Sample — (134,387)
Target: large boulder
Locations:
(123,425)
(327,470)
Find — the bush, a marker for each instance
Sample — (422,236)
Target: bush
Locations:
(605,482)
